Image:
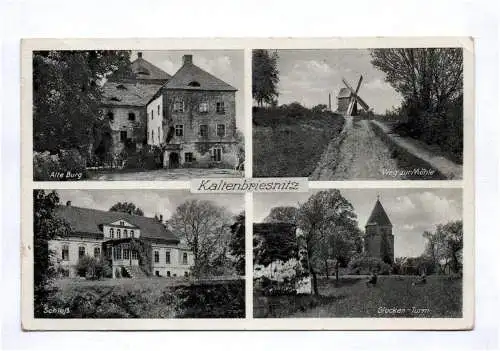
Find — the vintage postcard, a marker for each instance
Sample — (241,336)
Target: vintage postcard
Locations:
(248,184)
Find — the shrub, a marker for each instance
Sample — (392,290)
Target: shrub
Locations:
(92,268)
(56,167)
(363,264)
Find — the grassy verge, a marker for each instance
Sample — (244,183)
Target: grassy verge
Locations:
(394,296)
(291,146)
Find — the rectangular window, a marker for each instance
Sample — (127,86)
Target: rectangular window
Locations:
(131,233)
(221,130)
(179,106)
(97,252)
(125,234)
(179,130)
(203,108)
(65,253)
(185,258)
(188,157)
(109,251)
(111,233)
(123,135)
(126,254)
(217,154)
(167,257)
(134,255)
(157,257)
(81,251)
(152,114)
(159,135)
(220,107)
(158,110)
(203,130)
(131,116)
(118,253)
(118,234)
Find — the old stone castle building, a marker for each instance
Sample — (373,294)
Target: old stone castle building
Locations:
(378,239)
(190,116)
(112,236)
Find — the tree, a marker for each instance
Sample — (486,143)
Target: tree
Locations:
(327,220)
(127,207)
(46,226)
(282,214)
(445,244)
(265,76)
(205,228)
(428,79)
(237,243)
(67,95)
(319,108)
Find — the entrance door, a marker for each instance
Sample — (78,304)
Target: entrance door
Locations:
(173,159)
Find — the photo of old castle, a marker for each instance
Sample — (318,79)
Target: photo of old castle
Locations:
(173,126)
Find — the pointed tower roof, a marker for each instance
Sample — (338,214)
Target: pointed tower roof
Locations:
(192,77)
(378,215)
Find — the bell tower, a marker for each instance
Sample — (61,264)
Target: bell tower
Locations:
(378,240)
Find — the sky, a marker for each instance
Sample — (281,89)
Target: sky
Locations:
(224,64)
(411,211)
(159,202)
(308,76)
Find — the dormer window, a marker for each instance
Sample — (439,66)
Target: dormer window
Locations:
(122,223)
(194,84)
(114,98)
(143,71)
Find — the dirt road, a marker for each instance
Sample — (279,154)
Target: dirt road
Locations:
(357,154)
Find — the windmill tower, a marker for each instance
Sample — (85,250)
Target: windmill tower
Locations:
(379,240)
(348,99)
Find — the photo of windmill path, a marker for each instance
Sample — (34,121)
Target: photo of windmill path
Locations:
(360,114)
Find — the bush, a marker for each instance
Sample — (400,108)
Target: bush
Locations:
(92,268)
(363,264)
(61,167)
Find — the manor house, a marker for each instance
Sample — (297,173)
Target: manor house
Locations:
(190,116)
(114,236)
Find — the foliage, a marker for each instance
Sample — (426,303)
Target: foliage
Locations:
(144,254)
(240,150)
(444,246)
(67,94)
(265,76)
(92,268)
(282,214)
(329,227)
(205,300)
(320,108)
(46,226)
(364,264)
(127,207)
(278,277)
(205,228)
(61,167)
(431,83)
(237,243)
(278,243)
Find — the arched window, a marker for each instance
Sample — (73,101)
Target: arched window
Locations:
(118,234)
(111,233)
(125,234)
(81,251)
(131,233)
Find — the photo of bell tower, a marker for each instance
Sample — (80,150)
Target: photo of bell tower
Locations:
(379,240)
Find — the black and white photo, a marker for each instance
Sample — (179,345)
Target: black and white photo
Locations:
(138,254)
(137,115)
(358,114)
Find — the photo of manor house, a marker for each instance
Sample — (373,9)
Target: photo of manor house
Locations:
(113,236)
(135,120)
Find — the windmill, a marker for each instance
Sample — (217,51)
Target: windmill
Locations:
(348,99)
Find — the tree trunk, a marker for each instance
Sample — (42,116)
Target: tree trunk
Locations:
(315,283)
(337,270)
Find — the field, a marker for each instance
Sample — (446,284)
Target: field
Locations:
(291,146)
(146,298)
(394,296)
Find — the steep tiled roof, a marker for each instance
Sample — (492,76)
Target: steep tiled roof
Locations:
(192,77)
(378,216)
(144,69)
(128,94)
(89,221)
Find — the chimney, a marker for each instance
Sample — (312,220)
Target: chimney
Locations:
(139,54)
(187,59)
(68,203)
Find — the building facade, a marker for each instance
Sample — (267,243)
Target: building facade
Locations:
(114,237)
(193,119)
(378,239)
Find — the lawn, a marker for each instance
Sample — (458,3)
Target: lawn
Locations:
(394,296)
(147,298)
(285,146)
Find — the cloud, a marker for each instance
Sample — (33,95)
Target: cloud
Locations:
(377,84)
